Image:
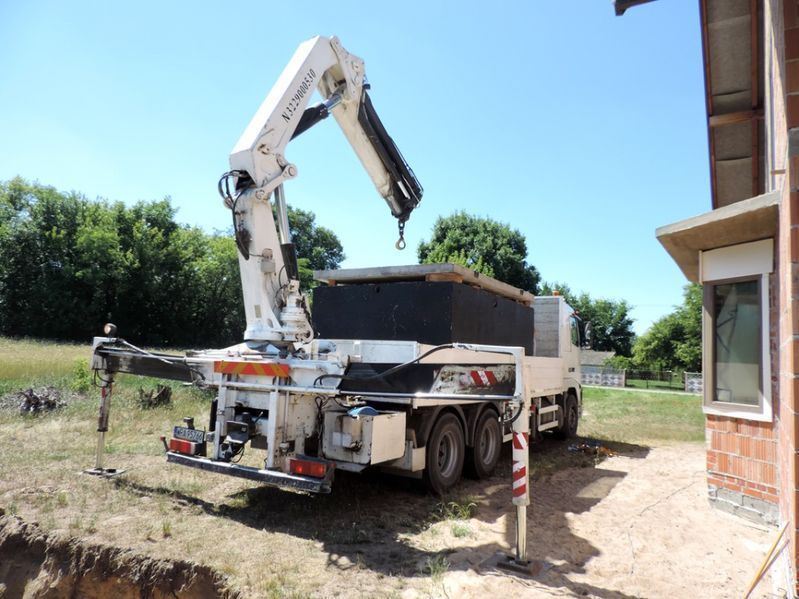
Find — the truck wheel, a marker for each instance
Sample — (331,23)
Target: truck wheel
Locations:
(444,455)
(571,418)
(483,457)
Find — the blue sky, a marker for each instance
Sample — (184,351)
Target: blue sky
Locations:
(583,130)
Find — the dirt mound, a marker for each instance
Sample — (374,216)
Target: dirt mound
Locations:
(33,401)
(36,565)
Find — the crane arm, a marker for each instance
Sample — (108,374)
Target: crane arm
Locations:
(322,64)
(275,308)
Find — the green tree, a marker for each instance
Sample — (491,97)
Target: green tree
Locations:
(610,319)
(218,304)
(482,244)
(318,248)
(68,264)
(675,341)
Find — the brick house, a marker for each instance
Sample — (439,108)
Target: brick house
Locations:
(745,252)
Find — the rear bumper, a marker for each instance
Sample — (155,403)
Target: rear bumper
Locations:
(272,478)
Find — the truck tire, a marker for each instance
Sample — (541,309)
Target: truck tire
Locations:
(445,454)
(571,418)
(481,460)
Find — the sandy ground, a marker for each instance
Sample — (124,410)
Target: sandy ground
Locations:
(635,526)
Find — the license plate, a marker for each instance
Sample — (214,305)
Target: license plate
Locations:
(189,434)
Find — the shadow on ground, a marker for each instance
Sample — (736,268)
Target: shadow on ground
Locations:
(368,517)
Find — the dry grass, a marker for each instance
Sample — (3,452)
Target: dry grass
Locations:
(369,538)
(30,362)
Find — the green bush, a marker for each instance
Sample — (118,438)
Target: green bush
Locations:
(81,378)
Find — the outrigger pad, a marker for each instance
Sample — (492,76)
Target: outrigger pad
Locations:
(508,563)
(104,472)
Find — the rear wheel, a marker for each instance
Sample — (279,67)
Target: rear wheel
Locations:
(571,418)
(444,455)
(483,457)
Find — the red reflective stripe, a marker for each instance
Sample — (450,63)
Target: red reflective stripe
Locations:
(483,378)
(520,440)
(252,368)
(520,473)
(520,491)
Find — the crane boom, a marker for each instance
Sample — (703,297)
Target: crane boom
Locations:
(274,306)
(322,64)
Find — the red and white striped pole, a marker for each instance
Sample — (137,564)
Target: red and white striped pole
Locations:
(521,476)
(521,455)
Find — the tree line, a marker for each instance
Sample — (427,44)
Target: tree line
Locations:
(69,264)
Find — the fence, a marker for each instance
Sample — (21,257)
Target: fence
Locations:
(694,382)
(604,376)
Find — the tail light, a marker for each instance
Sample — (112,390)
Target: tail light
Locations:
(185,447)
(309,467)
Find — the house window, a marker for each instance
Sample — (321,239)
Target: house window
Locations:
(736,347)
(735,337)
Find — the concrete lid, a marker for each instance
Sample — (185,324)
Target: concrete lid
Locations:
(423,272)
(747,220)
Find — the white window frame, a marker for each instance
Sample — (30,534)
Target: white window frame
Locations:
(745,261)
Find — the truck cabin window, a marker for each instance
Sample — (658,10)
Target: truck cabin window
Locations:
(575,331)
(736,341)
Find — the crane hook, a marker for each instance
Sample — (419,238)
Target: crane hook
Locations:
(400,245)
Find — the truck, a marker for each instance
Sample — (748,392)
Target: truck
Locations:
(421,370)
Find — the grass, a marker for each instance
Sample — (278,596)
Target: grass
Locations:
(676,384)
(436,567)
(461,508)
(235,526)
(641,417)
(28,362)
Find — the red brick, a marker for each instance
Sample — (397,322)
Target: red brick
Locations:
(743,445)
(792,76)
(770,498)
(758,449)
(769,474)
(794,511)
(791,44)
(740,468)
(723,463)
(794,356)
(792,423)
(794,316)
(753,493)
(770,451)
(790,16)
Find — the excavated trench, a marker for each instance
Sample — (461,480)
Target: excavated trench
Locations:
(36,565)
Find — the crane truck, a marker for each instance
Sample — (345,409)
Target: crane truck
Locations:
(423,370)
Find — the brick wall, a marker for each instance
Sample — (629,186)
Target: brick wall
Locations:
(785,85)
(742,467)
